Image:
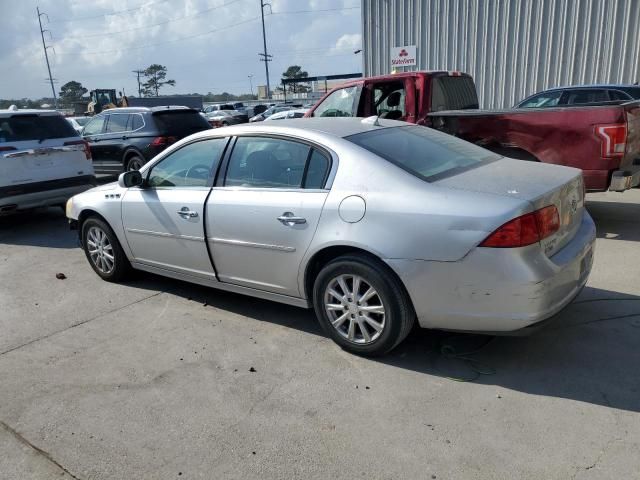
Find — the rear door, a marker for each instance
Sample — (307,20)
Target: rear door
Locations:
(40,148)
(262,216)
(164,220)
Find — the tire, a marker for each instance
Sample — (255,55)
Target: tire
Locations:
(96,233)
(385,327)
(134,162)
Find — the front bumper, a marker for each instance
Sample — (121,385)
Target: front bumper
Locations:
(498,290)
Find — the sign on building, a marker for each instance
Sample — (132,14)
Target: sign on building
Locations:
(403,56)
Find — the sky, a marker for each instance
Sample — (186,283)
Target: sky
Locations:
(206,45)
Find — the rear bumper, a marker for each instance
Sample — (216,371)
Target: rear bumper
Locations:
(42,194)
(622,180)
(498,290)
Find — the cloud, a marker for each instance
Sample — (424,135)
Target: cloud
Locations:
(349,41)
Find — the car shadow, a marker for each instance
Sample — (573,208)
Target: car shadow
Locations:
(588,353)
(615,220)
(41,227)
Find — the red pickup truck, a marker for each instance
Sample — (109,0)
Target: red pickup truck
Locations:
(601,139)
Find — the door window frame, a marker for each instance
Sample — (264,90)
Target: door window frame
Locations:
(329,155)
(211,181)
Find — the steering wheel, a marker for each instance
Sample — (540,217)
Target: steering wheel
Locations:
(200,171)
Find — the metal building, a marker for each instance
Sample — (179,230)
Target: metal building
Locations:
(513,48)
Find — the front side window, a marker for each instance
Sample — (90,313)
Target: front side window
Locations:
(424,152)
(547,99)
(341,103)
(117,123)
(261,162)
(94,127)
(193,165)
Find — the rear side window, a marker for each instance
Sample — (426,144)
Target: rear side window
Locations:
(260,162)
(453,93)
(180,123)
(423,152)
(545,99)
(20,128)
(618,95)
(341,103)
(117,123)
(579,97)
(135,122)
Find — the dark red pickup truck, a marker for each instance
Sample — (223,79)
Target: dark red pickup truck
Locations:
(601,139)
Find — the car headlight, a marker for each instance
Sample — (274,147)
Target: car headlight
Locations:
(69,208)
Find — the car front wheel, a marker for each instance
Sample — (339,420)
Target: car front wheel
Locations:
(103,250)
(361,305)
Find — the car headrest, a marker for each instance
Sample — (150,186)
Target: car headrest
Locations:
(393,100)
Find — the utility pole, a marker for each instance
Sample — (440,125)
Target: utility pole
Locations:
(266,58)
(46,55)
(251,83)
(139,72)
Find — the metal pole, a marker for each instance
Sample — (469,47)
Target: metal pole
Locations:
(138,72)
(46,56)
(251,83)
(266,57)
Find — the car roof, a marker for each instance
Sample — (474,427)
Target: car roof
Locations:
(337,127)
(595,85)
(145,109)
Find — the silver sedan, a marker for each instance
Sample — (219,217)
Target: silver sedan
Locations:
(375,224)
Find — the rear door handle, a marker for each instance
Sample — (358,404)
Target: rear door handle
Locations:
(184,212)
(288,218)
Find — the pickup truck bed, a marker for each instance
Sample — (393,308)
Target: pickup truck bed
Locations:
(563,136)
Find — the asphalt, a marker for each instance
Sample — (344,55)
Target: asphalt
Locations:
(159,379)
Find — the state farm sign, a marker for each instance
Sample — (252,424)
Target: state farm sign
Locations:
(403,56)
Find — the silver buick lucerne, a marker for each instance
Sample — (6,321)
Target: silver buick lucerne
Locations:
(374,223)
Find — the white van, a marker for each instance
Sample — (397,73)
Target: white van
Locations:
(43,161)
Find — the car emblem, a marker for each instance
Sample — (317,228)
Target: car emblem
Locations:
(574,206)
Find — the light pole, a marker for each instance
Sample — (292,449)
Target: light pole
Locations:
(251,83)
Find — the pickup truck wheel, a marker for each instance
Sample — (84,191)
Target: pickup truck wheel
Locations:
(361,305)
(103,250)
(134,162)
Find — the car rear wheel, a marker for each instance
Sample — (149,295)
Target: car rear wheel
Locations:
(361,305)
(103,251)
(135,162)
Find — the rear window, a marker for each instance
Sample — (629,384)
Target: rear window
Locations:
(453,93)
(180,123)
(423,152)
(20,128)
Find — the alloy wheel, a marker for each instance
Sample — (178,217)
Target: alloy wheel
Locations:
(355,309)
(100,250)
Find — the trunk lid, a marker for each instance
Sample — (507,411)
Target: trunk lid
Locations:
(540,184)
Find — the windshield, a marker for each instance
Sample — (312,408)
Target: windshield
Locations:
(180,123)
(423,152)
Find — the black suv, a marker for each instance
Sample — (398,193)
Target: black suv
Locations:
(126,138)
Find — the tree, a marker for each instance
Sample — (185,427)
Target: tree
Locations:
(295,71)
(156,75)
(72,91)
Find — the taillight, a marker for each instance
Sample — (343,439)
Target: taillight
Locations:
(216,123)
(613,138)
(163,141)
(525,230)
(85,144)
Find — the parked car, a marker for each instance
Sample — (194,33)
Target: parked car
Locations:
(78,123)
(581,95)
(270,111)
(43,161)
(602,140)
(293,113)
(478,242)
(126,138)
(223,118)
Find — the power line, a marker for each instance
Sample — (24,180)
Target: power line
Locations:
(293,12)
(102,15)
(154,24)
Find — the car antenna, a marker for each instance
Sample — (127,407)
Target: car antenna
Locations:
(372,120)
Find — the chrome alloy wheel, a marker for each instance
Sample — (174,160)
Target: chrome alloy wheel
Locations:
(355,309)
(100,250)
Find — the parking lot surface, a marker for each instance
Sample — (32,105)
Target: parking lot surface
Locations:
(160,379)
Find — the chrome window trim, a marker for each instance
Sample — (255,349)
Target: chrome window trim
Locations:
(144,124)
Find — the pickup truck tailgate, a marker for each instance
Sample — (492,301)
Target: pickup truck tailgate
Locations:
(542,185)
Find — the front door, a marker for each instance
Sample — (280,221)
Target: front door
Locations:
(164,220)
(93,133)
(262,218)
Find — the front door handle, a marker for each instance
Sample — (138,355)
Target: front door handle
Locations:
(288,218)
(184,212)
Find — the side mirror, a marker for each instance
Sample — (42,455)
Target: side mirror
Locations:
(132,178)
